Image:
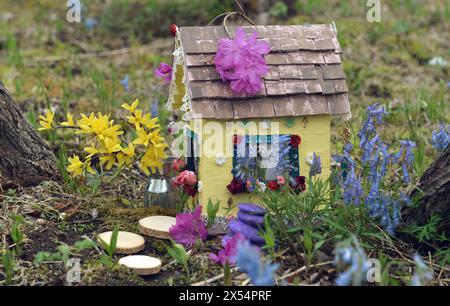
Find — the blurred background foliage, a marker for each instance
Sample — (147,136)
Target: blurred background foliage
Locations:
(401,62)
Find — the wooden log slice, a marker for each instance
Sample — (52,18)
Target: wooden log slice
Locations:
(141,264)
(127,243)
(157,226)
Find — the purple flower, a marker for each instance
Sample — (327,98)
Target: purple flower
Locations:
(228,254)
(164,71)
(241,61)
(189,227)
(441,138)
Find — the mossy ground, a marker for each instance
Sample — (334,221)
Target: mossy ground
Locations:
(47,62)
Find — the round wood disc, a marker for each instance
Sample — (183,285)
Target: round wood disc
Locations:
(157,226)
(127,243)
(141,264)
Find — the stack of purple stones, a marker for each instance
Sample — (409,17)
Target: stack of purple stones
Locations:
(249,221)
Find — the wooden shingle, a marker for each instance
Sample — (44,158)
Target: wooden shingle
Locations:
(305,74)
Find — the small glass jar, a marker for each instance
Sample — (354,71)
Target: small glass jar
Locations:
(160,190)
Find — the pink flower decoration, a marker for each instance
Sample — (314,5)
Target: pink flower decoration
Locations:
(189,227)
(164,71)
(228,254)
(178,165)
(186,178)
(281,180)
(241,61)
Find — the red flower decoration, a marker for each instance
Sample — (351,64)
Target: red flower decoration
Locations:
(191,191)
(174,29)
(236,186)
(273,185)
(300,184)
(237,139)
(295,141)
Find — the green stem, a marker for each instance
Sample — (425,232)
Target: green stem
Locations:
(227,274)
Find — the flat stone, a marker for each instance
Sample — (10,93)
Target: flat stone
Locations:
(251,233)
(252,209)
(251,219)
(127,243)
(141,264)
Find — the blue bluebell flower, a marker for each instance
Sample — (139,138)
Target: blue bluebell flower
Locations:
(353,191)
(90,23)
(316,166)
(155,109)
(351,262)
(248,259)
(376,161)
(422,275)
(125,83)
(440,138)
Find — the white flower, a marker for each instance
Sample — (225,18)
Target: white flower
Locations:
(199,186)
(220,160)
(310,158)
(261,186)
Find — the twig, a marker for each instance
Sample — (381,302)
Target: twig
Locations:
(213,279)
(435,266)
(304,268)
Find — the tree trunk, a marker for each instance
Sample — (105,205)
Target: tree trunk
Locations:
(435,186)
(25,159)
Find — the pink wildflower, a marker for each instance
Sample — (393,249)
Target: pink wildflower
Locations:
(228,253)
(164,71)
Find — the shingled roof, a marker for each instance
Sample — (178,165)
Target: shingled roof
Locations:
(305,78)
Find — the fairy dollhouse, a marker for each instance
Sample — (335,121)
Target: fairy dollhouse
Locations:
(304,85)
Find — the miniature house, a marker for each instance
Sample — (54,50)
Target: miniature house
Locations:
(305,86)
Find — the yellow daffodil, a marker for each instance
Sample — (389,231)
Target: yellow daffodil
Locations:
(131,108)
(125,157)
(112,132)
(111,146)
(109,160)
(153,159)
(92,151)
(138,119)
(99,125)
(143,138)
(76,166)
(46,121)
(88,167)
(69,122)
(152,123)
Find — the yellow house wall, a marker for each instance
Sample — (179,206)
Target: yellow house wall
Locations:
(315,138)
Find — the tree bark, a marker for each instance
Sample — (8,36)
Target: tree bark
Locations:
(25,159)
(434,194)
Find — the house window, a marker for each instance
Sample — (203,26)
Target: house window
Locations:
(264,157)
